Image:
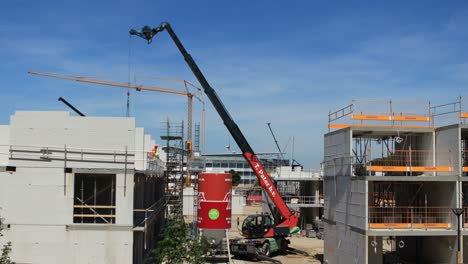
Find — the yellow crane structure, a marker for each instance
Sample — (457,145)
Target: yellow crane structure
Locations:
(139,88)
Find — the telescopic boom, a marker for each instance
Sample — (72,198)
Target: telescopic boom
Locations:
(290,219)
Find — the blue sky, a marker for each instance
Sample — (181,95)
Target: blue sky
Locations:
(287,63)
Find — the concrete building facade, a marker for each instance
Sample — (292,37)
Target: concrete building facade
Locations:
(390,189)
(302,191)
(78,189)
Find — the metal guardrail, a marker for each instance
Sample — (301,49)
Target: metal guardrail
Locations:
(68,153)
(408,217)
(282,173)
(303,199)
(402,162)
(377,157)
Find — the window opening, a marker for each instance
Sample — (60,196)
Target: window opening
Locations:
(94,200)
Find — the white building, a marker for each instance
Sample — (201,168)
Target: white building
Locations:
(78,189)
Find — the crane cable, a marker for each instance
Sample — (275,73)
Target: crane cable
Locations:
(129,63)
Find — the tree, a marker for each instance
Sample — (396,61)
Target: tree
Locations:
(236,178)
(176,248)
(5,256)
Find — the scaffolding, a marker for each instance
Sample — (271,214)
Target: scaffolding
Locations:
(196,146)
(173,135)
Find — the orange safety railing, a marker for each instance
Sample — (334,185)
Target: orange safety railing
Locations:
(408,161)
(382,113)
(409,217)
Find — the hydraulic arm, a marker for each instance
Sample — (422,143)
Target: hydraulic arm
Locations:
(289,218)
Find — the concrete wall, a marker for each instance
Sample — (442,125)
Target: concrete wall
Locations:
(448,139)
(345,203)
(425,142)
(36,196)
(4,142)
(342,245)
(57,129)
(40,219)
(56,244)
(140,155)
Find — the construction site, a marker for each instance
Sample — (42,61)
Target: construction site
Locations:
(162,132)
(86,189)
(394,183)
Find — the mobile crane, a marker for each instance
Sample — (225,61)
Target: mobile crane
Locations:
(263,233)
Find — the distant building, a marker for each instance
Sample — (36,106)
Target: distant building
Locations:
(78,189)
(302,191)
(237,162)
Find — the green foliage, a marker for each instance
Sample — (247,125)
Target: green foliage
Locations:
(176,248)
(5,256)
(236,178)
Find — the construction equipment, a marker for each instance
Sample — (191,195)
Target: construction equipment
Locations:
(282,162)
(263,233)
(189,95)
(71,106)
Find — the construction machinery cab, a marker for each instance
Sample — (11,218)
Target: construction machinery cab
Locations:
(257,225)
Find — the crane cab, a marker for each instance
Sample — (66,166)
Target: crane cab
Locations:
(255,226)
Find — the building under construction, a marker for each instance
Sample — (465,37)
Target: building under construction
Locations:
(394,183)
(77,189)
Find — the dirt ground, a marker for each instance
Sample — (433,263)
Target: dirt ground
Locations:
(312,246)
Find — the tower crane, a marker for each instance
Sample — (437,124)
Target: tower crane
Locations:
(189,95)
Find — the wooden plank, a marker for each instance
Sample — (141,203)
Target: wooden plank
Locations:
(431,225)
(93,215)
(95,206)
(372,117)
(388,225)
(388,168)
(434,168)
(412,118)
